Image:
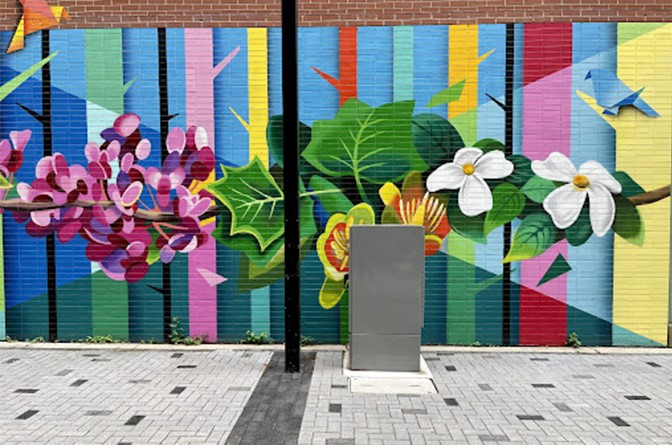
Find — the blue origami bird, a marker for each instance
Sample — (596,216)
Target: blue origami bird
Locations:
(612,94)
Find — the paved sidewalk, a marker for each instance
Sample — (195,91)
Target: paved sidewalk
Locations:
(121,397)
(508,397)
(199,396)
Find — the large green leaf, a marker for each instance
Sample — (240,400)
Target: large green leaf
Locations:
(256,203)
(629,185)
(470,227)
(581,231)
(489,144)
(435,139)
(628,223)
(450,94)
(522,170)
(507,203)
(274,137)
(335,202)
(534,236)
(537,189)
(331,292)
(370,144)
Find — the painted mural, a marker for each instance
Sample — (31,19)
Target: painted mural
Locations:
(141,179)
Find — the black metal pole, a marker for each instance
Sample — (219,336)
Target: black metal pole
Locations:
(290,133)
(166,286)
(508,147)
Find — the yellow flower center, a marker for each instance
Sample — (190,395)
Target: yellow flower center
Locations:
(581,182)
(468,169)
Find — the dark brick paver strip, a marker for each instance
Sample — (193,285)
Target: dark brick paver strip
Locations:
(275,410)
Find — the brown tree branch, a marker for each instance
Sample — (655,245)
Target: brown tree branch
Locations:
(651,196)
(146,215)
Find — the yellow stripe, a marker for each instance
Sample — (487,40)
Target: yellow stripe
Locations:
(641,274)
(463,65)
(257,66)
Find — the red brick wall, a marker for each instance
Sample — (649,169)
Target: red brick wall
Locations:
(249,13)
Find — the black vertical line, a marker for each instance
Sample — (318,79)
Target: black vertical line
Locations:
(508,150)
(47,147)
(290,132)
(165,119)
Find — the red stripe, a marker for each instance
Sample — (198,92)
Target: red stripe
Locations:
(547,49)
(348,64)
(543,320)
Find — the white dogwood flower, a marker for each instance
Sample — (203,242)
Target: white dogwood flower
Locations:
(468,172)
(592,181)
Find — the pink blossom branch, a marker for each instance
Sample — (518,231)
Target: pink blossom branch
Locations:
(18,205)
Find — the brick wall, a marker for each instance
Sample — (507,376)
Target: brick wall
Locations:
(249,13)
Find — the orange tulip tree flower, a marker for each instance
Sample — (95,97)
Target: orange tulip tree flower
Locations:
(333,248)
(414,205)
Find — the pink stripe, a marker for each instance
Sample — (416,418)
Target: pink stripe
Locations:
(546,128)
(199,73)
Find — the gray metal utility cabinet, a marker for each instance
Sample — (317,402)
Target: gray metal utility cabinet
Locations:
(386,296)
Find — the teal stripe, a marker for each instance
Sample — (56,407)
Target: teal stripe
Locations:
(260,310)
(403,62)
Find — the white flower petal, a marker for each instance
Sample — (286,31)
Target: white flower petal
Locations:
(564,204)
(602,209)
(596,173)
(448,176)
(557,167)
(475,196)
(493,165)
(467,155)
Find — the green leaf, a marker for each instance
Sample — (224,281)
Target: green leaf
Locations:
(507,203)
(522,171)
(435,139)
(371,144)
(250,277)
(331,292)
(256,203)
(537,189)
(629,185)
(534,236)
(489,144)
(334,202)
(4,183)
(470,227)
(628,223)
(450,94)
(154,253)
(581,231)
(9,87)
(559,267)
(390,216)
(274,138)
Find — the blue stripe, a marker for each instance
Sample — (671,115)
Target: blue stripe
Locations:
(177,97)
(317,99)
(231,90)
(430,66)
(590,288)
(375,59)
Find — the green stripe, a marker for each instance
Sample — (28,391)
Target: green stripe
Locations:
(104,69)
(461,291)
(260,310)
(109,301)
(105,91)
(403,62)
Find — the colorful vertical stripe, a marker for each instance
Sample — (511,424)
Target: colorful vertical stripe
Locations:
(105,90)
(547,77)
(641,274)
(346,84)
(403,62)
